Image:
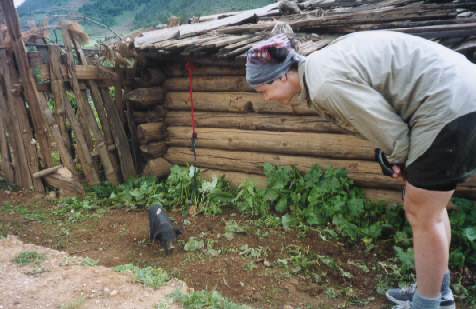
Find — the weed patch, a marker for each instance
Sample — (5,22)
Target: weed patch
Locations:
(29,257)
(205,299)
(152,277)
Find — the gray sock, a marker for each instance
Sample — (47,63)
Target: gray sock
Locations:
(445,286)
(421,302)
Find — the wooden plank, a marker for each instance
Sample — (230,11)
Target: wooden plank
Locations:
(47,171)
(234,102)
(329,145)
(209,83)
(253,121)
(83,72)
(85,158)
(8,107)
(25,161)
(384,15)
(190,29)
(63,180)
(106,127)
(5,160)
(118,99)
(186,43)
(125,158)
(251,39)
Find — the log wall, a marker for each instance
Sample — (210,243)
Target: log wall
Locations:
(238,131)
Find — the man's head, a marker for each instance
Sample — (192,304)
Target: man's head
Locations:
(271,69)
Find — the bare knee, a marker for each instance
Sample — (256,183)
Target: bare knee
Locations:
(425,209)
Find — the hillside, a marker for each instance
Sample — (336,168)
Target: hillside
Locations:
(126,15)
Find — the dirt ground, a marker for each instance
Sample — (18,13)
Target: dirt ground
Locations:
(121,237)
(59,282)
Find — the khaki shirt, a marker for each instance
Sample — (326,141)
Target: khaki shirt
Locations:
(395,90)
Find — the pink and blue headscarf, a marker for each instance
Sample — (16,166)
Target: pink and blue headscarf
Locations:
(261,68)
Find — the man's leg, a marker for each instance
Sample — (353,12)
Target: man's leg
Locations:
(426,212)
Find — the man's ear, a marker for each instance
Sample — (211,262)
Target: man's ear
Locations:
(284,77)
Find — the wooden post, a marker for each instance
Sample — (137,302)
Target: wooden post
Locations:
(5,161)
(29,84)
(25,161)
(98,102)
(86,110)
(120,138)
(133,131)
(84,155)
(118,97)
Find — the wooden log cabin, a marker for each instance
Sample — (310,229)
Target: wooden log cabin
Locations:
(237,130)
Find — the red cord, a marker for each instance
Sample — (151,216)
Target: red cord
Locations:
(191,68)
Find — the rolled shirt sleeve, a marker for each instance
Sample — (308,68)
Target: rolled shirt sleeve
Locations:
(369,113)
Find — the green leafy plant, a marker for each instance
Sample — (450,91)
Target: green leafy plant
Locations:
(193,244)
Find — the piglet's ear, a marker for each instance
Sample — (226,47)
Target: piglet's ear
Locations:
(178,232)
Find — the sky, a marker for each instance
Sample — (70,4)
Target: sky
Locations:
(18,2)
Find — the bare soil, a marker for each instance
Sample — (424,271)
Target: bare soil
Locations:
(121,237)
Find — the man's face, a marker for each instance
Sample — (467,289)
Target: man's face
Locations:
(279,90)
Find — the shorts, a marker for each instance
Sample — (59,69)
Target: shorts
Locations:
(451,158)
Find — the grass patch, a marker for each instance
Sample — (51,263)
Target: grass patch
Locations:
(205,299)
(29,257)
(152,277)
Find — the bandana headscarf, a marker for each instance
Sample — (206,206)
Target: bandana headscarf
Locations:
(261,68)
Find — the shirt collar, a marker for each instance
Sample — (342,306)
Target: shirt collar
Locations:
(304,95)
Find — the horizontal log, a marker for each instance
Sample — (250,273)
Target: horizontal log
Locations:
(152,76)
(152,115)
(153,149)
(366,174)
(157,167)
(336,146)
(63,180)
(209,83)
(234,102)
(89,72)
(47,171)
(253,121)
(179,70)
(144,98)
(149,132)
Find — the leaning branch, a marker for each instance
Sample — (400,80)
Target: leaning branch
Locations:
(91,20)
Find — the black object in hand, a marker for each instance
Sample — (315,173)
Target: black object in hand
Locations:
(384,164)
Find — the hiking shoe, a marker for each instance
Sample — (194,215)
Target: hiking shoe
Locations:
(405,305)
(404,297)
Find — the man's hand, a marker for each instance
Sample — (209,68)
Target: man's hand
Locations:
(398,171)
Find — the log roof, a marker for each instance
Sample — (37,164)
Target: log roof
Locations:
(315,24)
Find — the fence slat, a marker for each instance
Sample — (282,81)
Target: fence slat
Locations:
(84,155)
